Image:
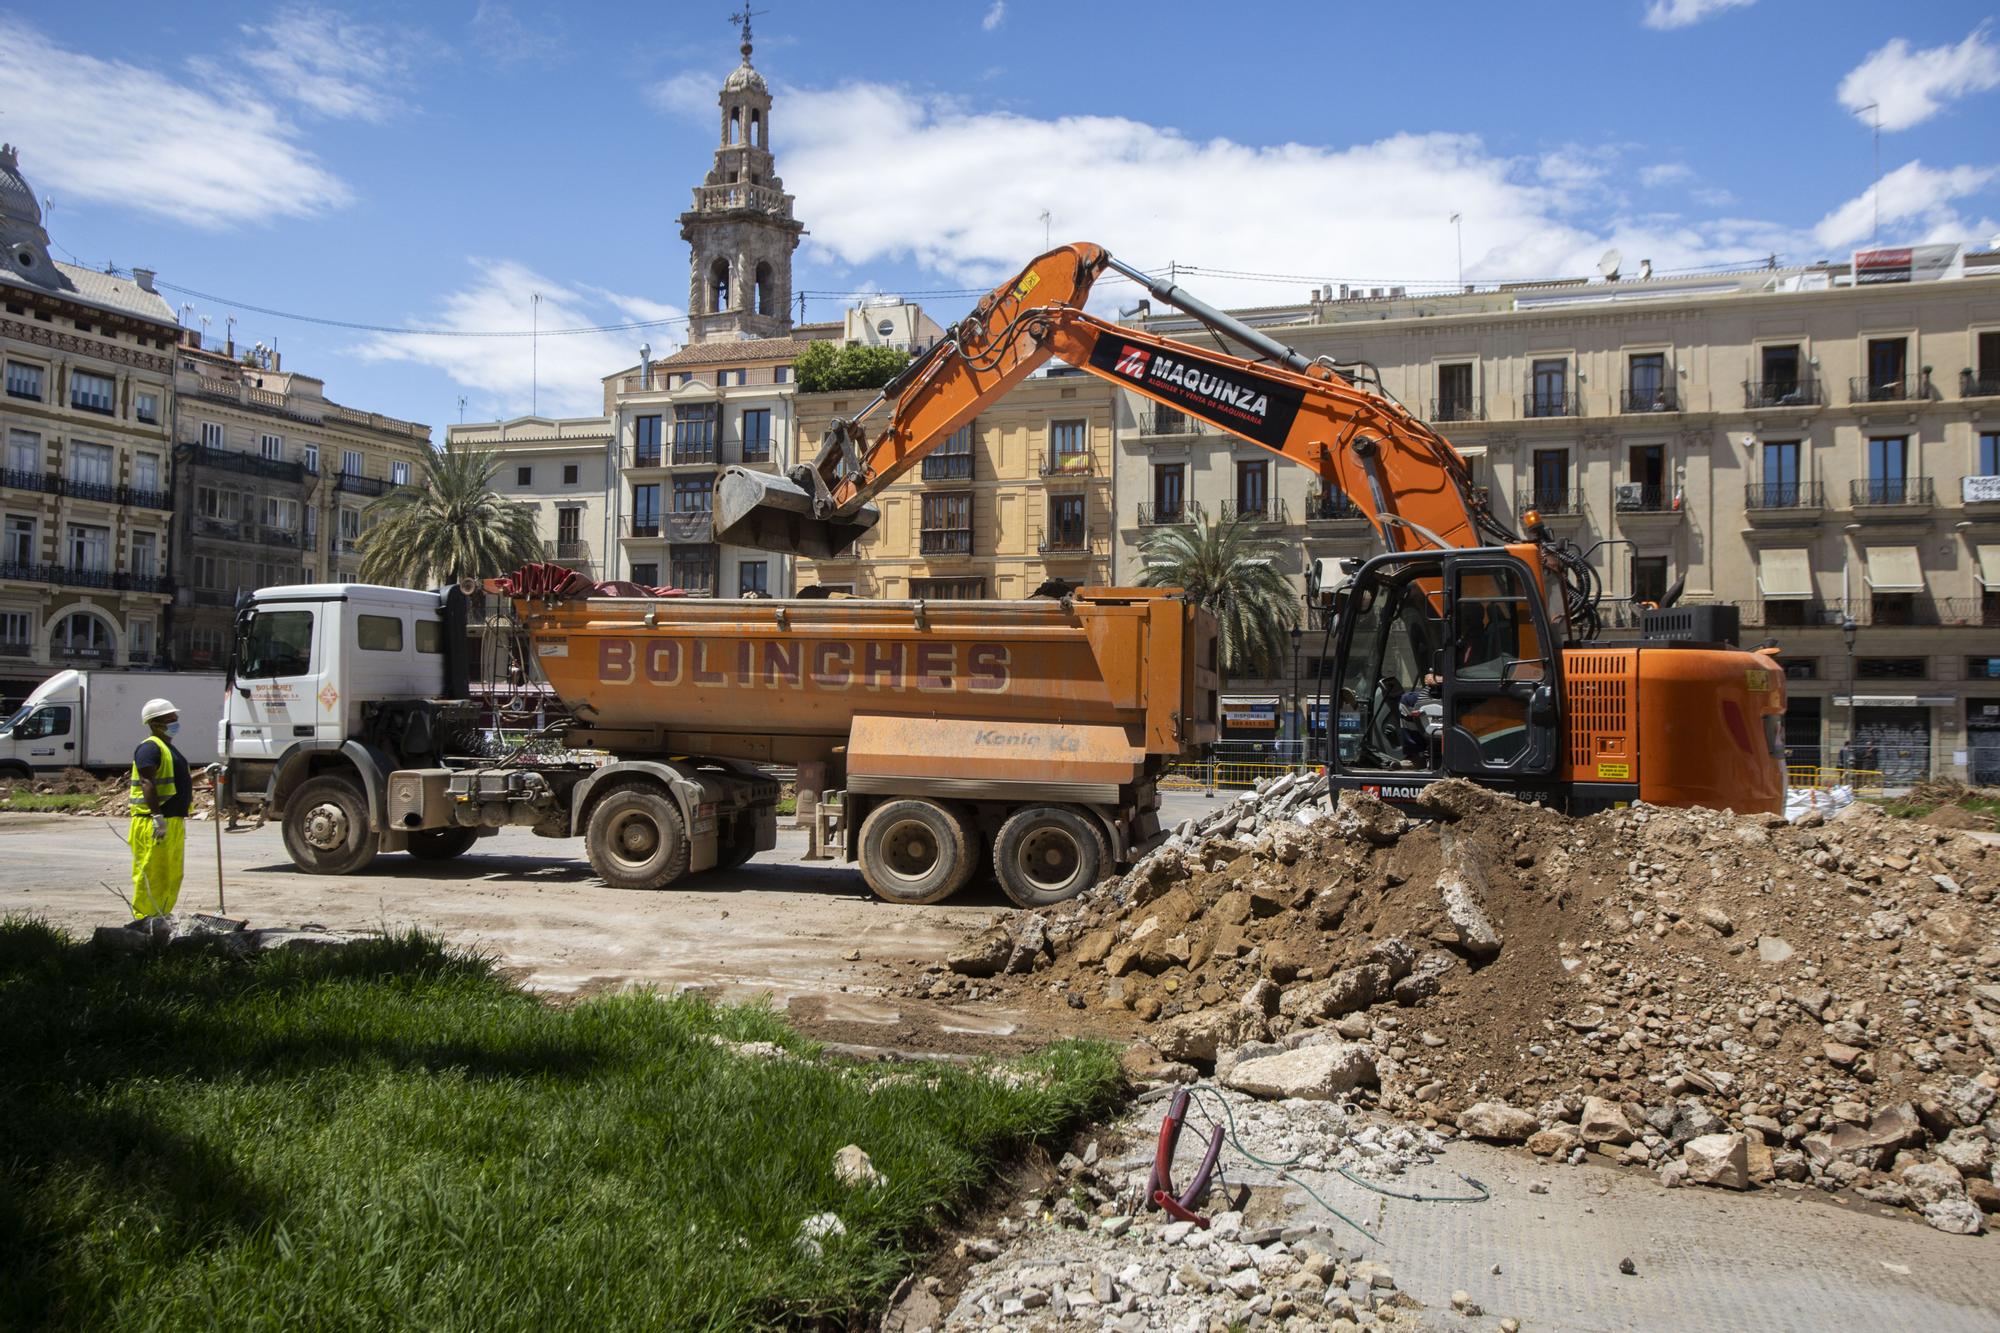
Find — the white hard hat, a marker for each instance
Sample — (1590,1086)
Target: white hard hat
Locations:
(157,708)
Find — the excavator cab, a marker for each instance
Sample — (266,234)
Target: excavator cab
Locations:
(1445,666)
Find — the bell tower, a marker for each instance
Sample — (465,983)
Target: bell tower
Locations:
(741,232)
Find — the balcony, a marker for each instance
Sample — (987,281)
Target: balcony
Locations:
(947,467)
(648,458)
(1782,393)
(1657,398)
(1978,386)
(1892,493)
(945,541)
(84,576)
(100,491)
(643,526)
(1160,420)
(16,648)
(353,483)
(1923,609)
(1081,464)
(223,460)
(1632,497)
(227,529)
(1332,507)
(1447,410)
(566,551)
(1907,389)
(1551,503)
(47,482)
(1558,404)
(132,495)
(280,537)
(1154,515)
(1066,539)
(1783,501)
(159,583)
(694,453)
(721,198)
(1272,510)
(1791,613)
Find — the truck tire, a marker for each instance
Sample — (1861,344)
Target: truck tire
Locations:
(1047,854)
(635,838)
(915,852)
(326,827)
(441,844)
(739,849)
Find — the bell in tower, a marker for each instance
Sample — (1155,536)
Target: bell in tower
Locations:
(741,232)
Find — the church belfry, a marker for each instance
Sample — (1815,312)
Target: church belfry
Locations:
(741,232)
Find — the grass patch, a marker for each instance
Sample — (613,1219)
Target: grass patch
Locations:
(32,800)
(1908,808)
(391,1136)
(788,805)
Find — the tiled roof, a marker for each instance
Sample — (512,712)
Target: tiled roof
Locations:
(105,290)
(729,353)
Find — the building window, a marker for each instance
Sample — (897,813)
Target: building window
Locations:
(694,432)
(1888,474)
(212,502)
(781,375)
(757,435)
(1982,668)
(399,473)
(146,407)
(571,472)
(212,436)
(93,393)
(282,515)
(946,590)
(645,441)
(1646,386)
(20,547)
(646,510)
(311,517)
(24,381)
(89,548)
(1778,367)
(24,452)
(1888,364)
(1069,446)
(1550,397)
(146,472)
(14,633)
(694,495)
(646,573)
(951,460)
(309,457)
(569,523)
(1780,485)
(139,638)
(947,524)
(1454,401)
(81,634)
(692,569)
(1551,483)
(1649,579)
(1646,475)
(753,576)
(351,463)
(1253,495)
(1989,455)
(686,377)
(145,555)
(524,476)
(1890,668)
(1169,492)
(90,464)
(350,528)
(1801,668)
(272,447)
(1067,531)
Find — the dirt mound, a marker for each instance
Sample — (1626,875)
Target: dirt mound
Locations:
(1957,816)
(1822,988)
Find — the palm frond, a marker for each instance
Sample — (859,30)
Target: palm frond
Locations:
(448,525)
(1225,567)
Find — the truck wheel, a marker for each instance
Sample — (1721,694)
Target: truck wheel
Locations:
(914,852)
(441,844)
(1046,854)
(635,838)
(326,827)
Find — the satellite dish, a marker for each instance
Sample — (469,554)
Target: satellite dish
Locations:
(1608,265)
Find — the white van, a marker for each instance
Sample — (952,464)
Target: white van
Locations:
(90,719)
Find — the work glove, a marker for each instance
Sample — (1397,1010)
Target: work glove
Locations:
(159,827)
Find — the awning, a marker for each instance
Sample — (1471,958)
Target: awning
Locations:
(1784,571)
(1989,568)
(1894,569)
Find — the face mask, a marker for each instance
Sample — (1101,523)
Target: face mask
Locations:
(172,728)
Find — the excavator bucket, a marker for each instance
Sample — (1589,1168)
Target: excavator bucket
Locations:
(772,513)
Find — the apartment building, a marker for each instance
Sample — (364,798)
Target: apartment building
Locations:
(1820,452)
(562,470)
(1021,495)
(85,419)
(272,483)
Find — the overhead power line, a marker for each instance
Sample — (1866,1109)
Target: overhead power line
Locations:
(360,327)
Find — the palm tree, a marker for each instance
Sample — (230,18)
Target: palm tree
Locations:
(1226,568)
(447,525)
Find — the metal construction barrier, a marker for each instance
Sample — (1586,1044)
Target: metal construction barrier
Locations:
(1824,778)
(1217,774)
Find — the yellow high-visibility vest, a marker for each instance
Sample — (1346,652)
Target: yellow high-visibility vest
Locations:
(163,780)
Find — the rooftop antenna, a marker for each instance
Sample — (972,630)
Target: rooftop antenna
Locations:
(1608,265)
(461,409)
(1458,231)
(1046,227)
(1875,191)
(535,353)
(187,308)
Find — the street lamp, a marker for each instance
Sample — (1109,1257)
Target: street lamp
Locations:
(1847,628)
(1298,701)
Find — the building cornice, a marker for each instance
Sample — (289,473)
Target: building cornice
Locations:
(82,344)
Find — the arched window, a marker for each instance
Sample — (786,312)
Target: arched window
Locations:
(735,124)
(718,285)
(767,289)
(83,636)
(757,127)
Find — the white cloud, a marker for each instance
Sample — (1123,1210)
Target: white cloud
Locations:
(330,64)
(1913,196)
(690,94)
(112,132)
(570,367)
(994,15)
(503,38)
(1910,87)
(1664,173)
(1680,13)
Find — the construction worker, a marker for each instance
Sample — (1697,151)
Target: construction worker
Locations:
(162,792)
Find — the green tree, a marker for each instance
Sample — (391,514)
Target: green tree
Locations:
(446,525)
(1229,570)
(827,366)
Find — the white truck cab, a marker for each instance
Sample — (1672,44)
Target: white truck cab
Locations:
(90,719)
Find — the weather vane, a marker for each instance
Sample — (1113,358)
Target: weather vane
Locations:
(744,18)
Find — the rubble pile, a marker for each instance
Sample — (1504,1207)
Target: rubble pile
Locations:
(111,792)
(1725,1000)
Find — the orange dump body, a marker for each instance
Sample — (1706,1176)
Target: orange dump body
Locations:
(1091,693)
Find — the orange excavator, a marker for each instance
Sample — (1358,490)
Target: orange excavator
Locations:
(1464,649)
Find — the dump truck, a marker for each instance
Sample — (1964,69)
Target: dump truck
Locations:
(1028,734)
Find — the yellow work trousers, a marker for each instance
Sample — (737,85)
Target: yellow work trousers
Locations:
(156,866)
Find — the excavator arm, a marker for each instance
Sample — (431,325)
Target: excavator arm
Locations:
(1398,472)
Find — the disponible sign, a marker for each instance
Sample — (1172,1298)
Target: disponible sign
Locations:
(1253,714)
(1908,263)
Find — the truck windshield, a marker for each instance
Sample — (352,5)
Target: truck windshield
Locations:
(277,643)
(14,717)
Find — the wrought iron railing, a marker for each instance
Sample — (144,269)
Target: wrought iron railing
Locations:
(1331,507)
(1551,501)
(1167,421)
(946,541)
(1557,404)
(1631,497)
(1081,463)
(1155,515)
(1657,398)
(353,483)
(1902,389)
(1271,510)
(22,480)
(948,467)
(1864,492)
(91,490)
(1447,410)
(1784,495)
(224,460)
(1060,537)
(1801,392)
(643,527)
(1978,386)
(693,453)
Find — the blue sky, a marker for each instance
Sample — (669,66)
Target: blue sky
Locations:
(431,166)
